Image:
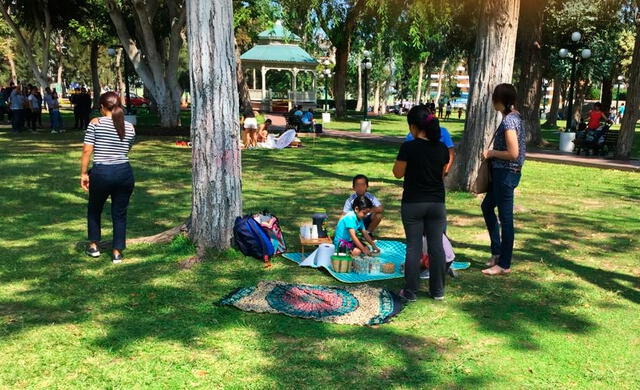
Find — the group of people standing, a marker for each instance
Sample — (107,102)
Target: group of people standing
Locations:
(422,163)
(24,104)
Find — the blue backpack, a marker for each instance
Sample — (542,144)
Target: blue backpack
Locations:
(252,240)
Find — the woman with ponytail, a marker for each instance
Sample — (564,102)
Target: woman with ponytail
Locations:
(422,163)
(507,158)
(109,139)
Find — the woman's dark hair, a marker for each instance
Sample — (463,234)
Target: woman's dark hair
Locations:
(249,114)
(362,203)
(421,117)
(110,101)
(597,106)
(360,177)
(269,121)
(505,94)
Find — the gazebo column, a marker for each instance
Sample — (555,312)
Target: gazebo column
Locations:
(314,80)
(264,88)
(253,78)
(294,72)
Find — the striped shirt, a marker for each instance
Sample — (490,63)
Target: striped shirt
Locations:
(107,147)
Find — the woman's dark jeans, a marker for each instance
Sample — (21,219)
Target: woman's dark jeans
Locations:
(110,180)
(500,195)
(420,219)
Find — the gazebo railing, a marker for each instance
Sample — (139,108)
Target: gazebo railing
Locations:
(302,96)
(256,95)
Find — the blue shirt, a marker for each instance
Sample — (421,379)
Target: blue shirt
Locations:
(349,221)
(307,117)
(445,138)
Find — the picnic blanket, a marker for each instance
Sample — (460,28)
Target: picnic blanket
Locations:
(361,305)
(390,252)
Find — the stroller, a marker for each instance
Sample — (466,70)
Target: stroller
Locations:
(591,140)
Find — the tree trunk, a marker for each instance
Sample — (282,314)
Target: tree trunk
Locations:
(120,77)
(607,91)
(12,67)
(581,90)
(494,54)
(340,80)
(217,197)
(376,99)
(95,77)
(243,88)
(420,77)
(440,75)
(359,102)
(552,118)
(632,110)
(154,60)
(530,85)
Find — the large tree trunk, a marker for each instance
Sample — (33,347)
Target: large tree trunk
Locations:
(552,118)
(154,63)
(120,77)
(12,67)
(632,110)
(376,99)
(420,77)
(95,77)
(494,54)
(359,102)
(217,197)
(581,90)
(243,88)
(530,85)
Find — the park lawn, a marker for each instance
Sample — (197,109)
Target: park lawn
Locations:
(566,318)
(396,125)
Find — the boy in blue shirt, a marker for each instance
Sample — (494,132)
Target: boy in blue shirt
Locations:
(346,238)
(361,188)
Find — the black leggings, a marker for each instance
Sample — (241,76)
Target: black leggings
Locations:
(428,219)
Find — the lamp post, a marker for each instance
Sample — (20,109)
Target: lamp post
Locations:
(620,80)
(365,125)
(326,75)
(111,51)
(545,85)
(574,52)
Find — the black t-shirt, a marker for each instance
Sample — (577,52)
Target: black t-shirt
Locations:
(423,181)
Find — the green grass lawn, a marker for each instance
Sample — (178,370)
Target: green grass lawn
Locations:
(566,318)
(396,125)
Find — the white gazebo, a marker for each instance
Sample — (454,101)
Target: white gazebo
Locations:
(278,50)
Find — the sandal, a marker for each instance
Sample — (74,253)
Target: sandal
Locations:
(496,270)
(493,261)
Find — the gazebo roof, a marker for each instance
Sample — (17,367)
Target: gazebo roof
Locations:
(278,33)
(279,54)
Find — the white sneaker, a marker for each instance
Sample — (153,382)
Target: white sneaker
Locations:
(54,132)
(425,274)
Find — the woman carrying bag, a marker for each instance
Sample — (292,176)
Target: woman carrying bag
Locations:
(507,158)
(109,138)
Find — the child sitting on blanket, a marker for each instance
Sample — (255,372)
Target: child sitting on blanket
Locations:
(361,188)
(346,233)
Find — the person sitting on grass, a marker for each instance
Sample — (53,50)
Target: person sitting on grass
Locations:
(374,217)
(263,131)
(346,238)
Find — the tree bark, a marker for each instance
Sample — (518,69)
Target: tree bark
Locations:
(359,102)
(95,77)
(607,91)
(530,85)
(376,99)
(155,65)
(581,89)
(420,77)
(632,110)
(243,88)
(217,198)
(12,67)
(494,53)
(552,118)
(120,77)
(440,75)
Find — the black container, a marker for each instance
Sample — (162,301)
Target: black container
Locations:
(320,220)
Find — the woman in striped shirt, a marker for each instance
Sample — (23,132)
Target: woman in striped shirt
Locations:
(109,138)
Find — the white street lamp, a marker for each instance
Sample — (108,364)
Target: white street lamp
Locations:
(586,53)
(564,53)
(576,36)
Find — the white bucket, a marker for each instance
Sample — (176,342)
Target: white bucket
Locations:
(365,127)
(326,117)
(566,141)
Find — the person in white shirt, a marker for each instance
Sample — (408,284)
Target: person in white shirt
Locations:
(17,104)
(34,109)
(374,217)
